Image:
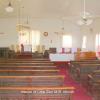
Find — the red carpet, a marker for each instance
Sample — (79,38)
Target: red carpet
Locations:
(80,92)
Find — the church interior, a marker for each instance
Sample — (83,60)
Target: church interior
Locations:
(49,50)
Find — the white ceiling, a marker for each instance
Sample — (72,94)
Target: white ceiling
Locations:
(49,8)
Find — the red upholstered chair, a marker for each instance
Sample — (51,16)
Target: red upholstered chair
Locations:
(52,50)
(63,50)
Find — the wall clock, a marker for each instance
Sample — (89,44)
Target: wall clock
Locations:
(45,33)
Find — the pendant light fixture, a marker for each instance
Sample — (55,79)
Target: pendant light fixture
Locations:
(9,8)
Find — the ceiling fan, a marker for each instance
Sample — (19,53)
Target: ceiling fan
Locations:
(86,18)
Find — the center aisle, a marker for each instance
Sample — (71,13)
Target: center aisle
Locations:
(80,92)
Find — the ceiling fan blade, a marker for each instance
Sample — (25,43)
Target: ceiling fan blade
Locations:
(89,21)
(80,22)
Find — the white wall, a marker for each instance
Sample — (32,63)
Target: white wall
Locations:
(54,25)
(8,26)
(90,32)
(10,36)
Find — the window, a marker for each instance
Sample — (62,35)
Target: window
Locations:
(24,37)
(84,42)
(97,42)
(35,40)
(67,41)
(30,38)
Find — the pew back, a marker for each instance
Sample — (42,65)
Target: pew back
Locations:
(28,72)
(54,80)
(28,67)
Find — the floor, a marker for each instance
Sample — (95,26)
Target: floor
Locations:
(80,92)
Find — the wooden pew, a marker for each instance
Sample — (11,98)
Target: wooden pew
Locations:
(85,55)
(16,80)
(27,64)
(24,61)
(93,79)
(74,64)
(37,93)
(14,59)
(84,61)
(16,86)
(34,59)
(28,72)
(82,70)
(28,67)
(93,82)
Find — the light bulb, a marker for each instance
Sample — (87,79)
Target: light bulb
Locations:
(9,8)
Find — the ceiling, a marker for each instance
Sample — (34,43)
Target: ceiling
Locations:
(49,8)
